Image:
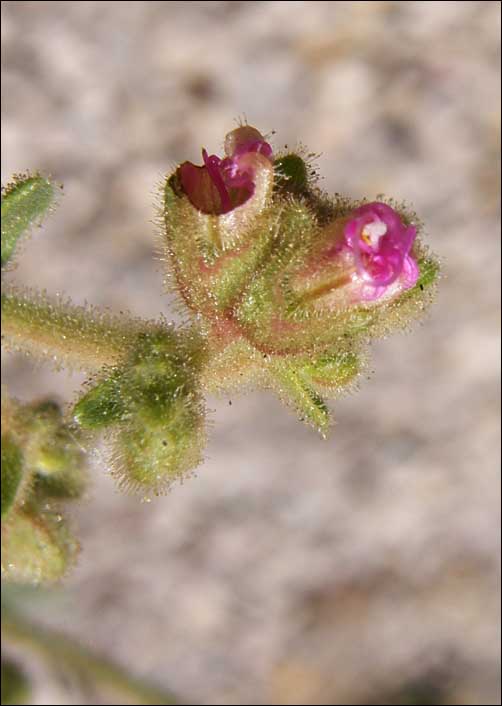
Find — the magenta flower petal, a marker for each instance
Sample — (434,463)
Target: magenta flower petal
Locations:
(381,244)
(410,272)
(221,185)
(259,146)
(213,167)
(200,188)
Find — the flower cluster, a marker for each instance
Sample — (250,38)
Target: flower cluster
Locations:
(284,287)
(375,251)
(273,267)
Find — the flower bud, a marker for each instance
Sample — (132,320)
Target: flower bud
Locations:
(41,455)
(291,174)
(41,461)
(152,451)
(150,406)
(217,229)
(52,447)
(244,136)
(161,435)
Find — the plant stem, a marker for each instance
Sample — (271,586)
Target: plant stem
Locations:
(61,650)
(80,337)
(85,338)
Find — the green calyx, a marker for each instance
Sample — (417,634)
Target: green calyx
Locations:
(213,257)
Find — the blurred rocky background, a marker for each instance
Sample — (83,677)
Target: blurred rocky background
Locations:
(359,570)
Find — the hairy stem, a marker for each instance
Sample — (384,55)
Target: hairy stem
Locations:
(80,337)
(61,650)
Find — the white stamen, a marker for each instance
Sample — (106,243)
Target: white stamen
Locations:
(372,232)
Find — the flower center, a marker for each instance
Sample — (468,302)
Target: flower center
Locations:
(213,166)
(372,232)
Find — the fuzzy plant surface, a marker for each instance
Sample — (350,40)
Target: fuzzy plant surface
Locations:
(282,286)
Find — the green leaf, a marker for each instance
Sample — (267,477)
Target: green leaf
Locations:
(295,391)
(24,202)
(332,371)
(101,406)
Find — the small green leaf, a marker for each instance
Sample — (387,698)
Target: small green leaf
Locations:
(24,202)
(102,405)
(12,472)
(294,390)
(332,371)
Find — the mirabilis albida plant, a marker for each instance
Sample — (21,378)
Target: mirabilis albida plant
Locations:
(284,287)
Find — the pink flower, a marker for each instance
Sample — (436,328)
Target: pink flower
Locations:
(380,244)
(221,185)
